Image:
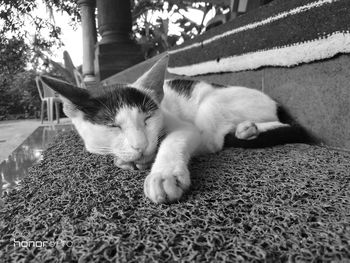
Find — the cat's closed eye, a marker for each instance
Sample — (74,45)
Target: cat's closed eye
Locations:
(147,118)
(114,125)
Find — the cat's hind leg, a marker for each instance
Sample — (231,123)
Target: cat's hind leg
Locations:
(249,130)
(248,134)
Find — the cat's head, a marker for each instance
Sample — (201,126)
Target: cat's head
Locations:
(122,120)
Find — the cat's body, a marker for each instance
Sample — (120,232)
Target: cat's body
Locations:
(164,124)
(219,110)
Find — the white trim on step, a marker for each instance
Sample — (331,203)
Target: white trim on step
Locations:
(326,47)
(263,22)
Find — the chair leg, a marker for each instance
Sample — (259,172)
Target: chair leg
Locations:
(48,110)
(57,112)
(51,110)
(42,111)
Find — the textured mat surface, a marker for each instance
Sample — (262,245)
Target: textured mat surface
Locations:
(283,204)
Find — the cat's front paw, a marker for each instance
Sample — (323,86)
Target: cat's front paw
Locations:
(132,165)
(145,163)
(124,165)
(168,185)
(247,130)
(143,166)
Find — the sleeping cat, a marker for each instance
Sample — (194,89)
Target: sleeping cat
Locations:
(163,124)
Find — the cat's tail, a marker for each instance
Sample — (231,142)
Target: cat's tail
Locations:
(281,135)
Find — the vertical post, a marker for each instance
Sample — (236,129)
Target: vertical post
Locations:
(253,4)
(116,51)
(233,9)
(242,6)
(114,20)
(87,9)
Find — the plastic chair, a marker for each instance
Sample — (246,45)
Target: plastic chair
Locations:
(73,71)
(79,79)
(49,97)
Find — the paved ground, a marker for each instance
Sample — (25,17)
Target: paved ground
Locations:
(13,133)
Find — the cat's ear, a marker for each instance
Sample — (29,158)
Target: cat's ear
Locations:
(153,79)
(74,98)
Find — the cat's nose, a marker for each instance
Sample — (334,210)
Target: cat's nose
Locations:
(138,148)
(137,142)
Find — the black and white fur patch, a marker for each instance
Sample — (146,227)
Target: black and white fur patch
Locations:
(107,101)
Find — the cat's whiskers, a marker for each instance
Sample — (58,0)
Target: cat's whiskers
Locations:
(144,100)
(150,105)
(108,109)
(103,150)
(161,137)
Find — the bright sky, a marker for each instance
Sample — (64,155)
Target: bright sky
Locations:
(72,40)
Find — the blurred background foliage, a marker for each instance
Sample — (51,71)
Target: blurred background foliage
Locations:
(21,51)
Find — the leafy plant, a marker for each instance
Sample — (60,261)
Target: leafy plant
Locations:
(151,20)
(20,97)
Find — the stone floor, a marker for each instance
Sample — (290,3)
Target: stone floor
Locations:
(22,143)
(13,133)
